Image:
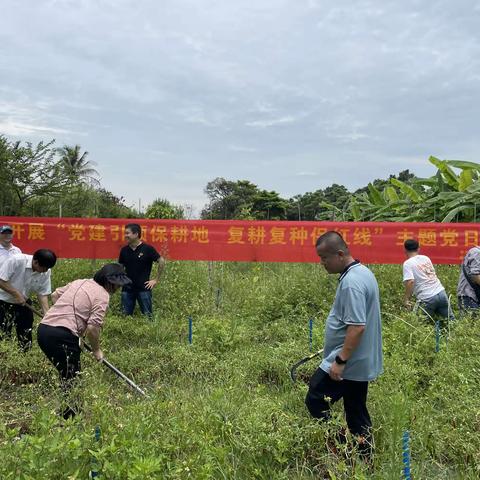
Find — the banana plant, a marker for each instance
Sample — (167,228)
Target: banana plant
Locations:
(446,196)
(375,196)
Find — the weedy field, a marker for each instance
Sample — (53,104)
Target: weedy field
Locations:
(225,407)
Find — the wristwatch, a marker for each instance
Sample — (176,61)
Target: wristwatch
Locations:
(339,360)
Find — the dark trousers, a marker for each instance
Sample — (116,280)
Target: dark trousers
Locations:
(354,396)
(61,347)
(468,304)
(144,299)
(20,316)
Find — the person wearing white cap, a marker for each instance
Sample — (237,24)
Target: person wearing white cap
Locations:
(7,248)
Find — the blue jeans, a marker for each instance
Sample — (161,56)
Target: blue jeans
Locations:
(438,305)
(143,298)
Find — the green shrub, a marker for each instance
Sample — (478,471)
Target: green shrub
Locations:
(225,407)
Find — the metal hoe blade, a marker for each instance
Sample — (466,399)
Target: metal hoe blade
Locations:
(118,373)
(293,370)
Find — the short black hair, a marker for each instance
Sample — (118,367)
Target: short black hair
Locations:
(45,258)
(335,241)
(110,275)
(134,228)
(411,245)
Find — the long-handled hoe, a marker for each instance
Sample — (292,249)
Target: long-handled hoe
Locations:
(293,370)
(104,361)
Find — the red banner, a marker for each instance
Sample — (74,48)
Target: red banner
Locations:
(247,241)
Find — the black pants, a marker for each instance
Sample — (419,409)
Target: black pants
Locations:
(61,347)
(20,316)
(354,396)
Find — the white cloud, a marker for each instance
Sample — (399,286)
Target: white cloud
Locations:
(22,129)
(272,122)
(290,84)
(348,137)
(242,149)
(264,107)
(159,153)
(19,120)
(196,114)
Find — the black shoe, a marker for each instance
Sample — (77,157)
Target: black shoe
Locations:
(68,413)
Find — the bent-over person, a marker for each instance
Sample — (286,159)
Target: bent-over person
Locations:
(420,280)
(78,310)
(468,289)
(21,275)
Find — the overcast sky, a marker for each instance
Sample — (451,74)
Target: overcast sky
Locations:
(293,95)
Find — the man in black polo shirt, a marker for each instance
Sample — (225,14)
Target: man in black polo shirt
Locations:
(137,258)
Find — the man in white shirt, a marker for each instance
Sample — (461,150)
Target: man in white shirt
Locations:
(420,279)
(20,275)
(7,248)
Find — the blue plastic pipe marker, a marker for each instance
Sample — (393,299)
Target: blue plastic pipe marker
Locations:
(94,473)
(437,336)
(190,332)
(406,455)
(310,326)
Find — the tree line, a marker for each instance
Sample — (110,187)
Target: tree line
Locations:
(45,180)
(452,194)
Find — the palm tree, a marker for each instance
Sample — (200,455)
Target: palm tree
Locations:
(77,166)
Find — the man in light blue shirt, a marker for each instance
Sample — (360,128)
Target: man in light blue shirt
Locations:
(352,354)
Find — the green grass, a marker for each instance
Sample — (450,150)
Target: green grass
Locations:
(225,407)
